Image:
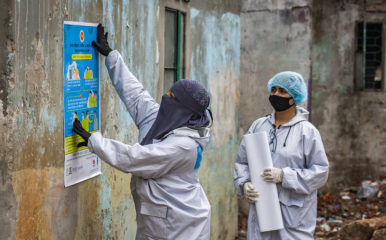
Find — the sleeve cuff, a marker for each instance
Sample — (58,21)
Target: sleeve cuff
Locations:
(240,188)
(92,141)
(289,177)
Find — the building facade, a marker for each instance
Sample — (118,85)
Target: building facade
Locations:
(161,41)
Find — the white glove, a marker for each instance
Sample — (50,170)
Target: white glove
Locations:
(250,193)
(274,175)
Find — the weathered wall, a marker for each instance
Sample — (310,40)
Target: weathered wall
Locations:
(7,197)
(34,203)
(352,122)
(319,35)
(275,37)
(215,60)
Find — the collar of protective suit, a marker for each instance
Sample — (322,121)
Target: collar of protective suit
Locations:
(201,135)
(301,115)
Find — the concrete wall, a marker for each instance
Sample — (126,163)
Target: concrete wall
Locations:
(317,39)
(275,36)
(352,122)
(34,203)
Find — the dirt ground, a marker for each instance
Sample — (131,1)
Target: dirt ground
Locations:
(339,208)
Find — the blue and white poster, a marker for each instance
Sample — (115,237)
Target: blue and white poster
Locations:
(81,99)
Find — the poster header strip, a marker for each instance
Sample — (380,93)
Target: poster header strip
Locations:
(80,23)
(81,56)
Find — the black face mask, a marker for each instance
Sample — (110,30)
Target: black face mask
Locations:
(280,103)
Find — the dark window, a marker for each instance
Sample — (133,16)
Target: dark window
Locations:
(174,61)
(369,55)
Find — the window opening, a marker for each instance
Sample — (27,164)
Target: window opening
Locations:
(369,48)
(174,59)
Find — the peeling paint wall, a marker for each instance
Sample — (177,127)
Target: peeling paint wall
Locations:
(352,122)
(8,205)
(215,61)
(34,203)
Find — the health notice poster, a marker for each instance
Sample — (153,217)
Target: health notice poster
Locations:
(81,99)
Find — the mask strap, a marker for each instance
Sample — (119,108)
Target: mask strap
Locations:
(210,117)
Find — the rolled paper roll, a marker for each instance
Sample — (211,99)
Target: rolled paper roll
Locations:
(268,206)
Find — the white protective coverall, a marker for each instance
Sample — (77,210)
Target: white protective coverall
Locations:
(303,160)
(169,200)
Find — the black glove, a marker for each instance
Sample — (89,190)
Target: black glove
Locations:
(78,129)
(102,45)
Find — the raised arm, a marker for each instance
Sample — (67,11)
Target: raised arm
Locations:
(141,106)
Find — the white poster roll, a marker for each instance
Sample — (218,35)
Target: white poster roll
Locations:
(259,158)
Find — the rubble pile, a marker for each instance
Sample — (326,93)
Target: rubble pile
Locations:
(354,213)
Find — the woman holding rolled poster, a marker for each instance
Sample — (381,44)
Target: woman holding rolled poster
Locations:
(300,164)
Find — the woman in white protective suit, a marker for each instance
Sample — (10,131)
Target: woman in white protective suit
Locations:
(300,164)
(169,200)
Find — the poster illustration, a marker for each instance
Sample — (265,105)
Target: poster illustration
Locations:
(81,99)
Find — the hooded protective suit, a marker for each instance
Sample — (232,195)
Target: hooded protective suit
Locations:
(298,150)
(169,200)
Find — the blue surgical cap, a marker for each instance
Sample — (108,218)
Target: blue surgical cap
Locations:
(293,83)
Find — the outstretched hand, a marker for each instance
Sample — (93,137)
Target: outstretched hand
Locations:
(78,129)
(102,45)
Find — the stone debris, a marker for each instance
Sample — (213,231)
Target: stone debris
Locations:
(363,229)
(353,213)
